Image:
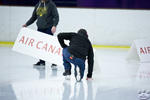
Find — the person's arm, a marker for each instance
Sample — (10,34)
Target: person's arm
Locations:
(64,36)
(55,15)
(90,62)
(55,18)
(32,19)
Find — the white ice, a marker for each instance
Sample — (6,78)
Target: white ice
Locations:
(114,78)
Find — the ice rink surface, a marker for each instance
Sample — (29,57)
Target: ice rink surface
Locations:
(114,78)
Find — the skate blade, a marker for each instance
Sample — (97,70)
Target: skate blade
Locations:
(38,67)
(67,77)
(54,68)
(78,78)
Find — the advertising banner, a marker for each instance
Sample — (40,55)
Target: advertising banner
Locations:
(140,50)
(38,45)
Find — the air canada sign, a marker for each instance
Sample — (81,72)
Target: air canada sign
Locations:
(145,50)
(38,45)
(140,49)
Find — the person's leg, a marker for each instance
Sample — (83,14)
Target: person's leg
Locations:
(40,62)
(46,31)
(81,64)
(49,32)
(76,61)
(66,62)
(67,67)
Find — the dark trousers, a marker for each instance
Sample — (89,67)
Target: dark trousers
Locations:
(76,61)
(46,31)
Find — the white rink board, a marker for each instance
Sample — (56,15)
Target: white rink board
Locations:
(38,45)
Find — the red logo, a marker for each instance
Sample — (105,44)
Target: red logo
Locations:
(40,45)
(145,50)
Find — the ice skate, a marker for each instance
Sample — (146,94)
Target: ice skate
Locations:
(67,74)
(67,77)
(54,67)
(40,63)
